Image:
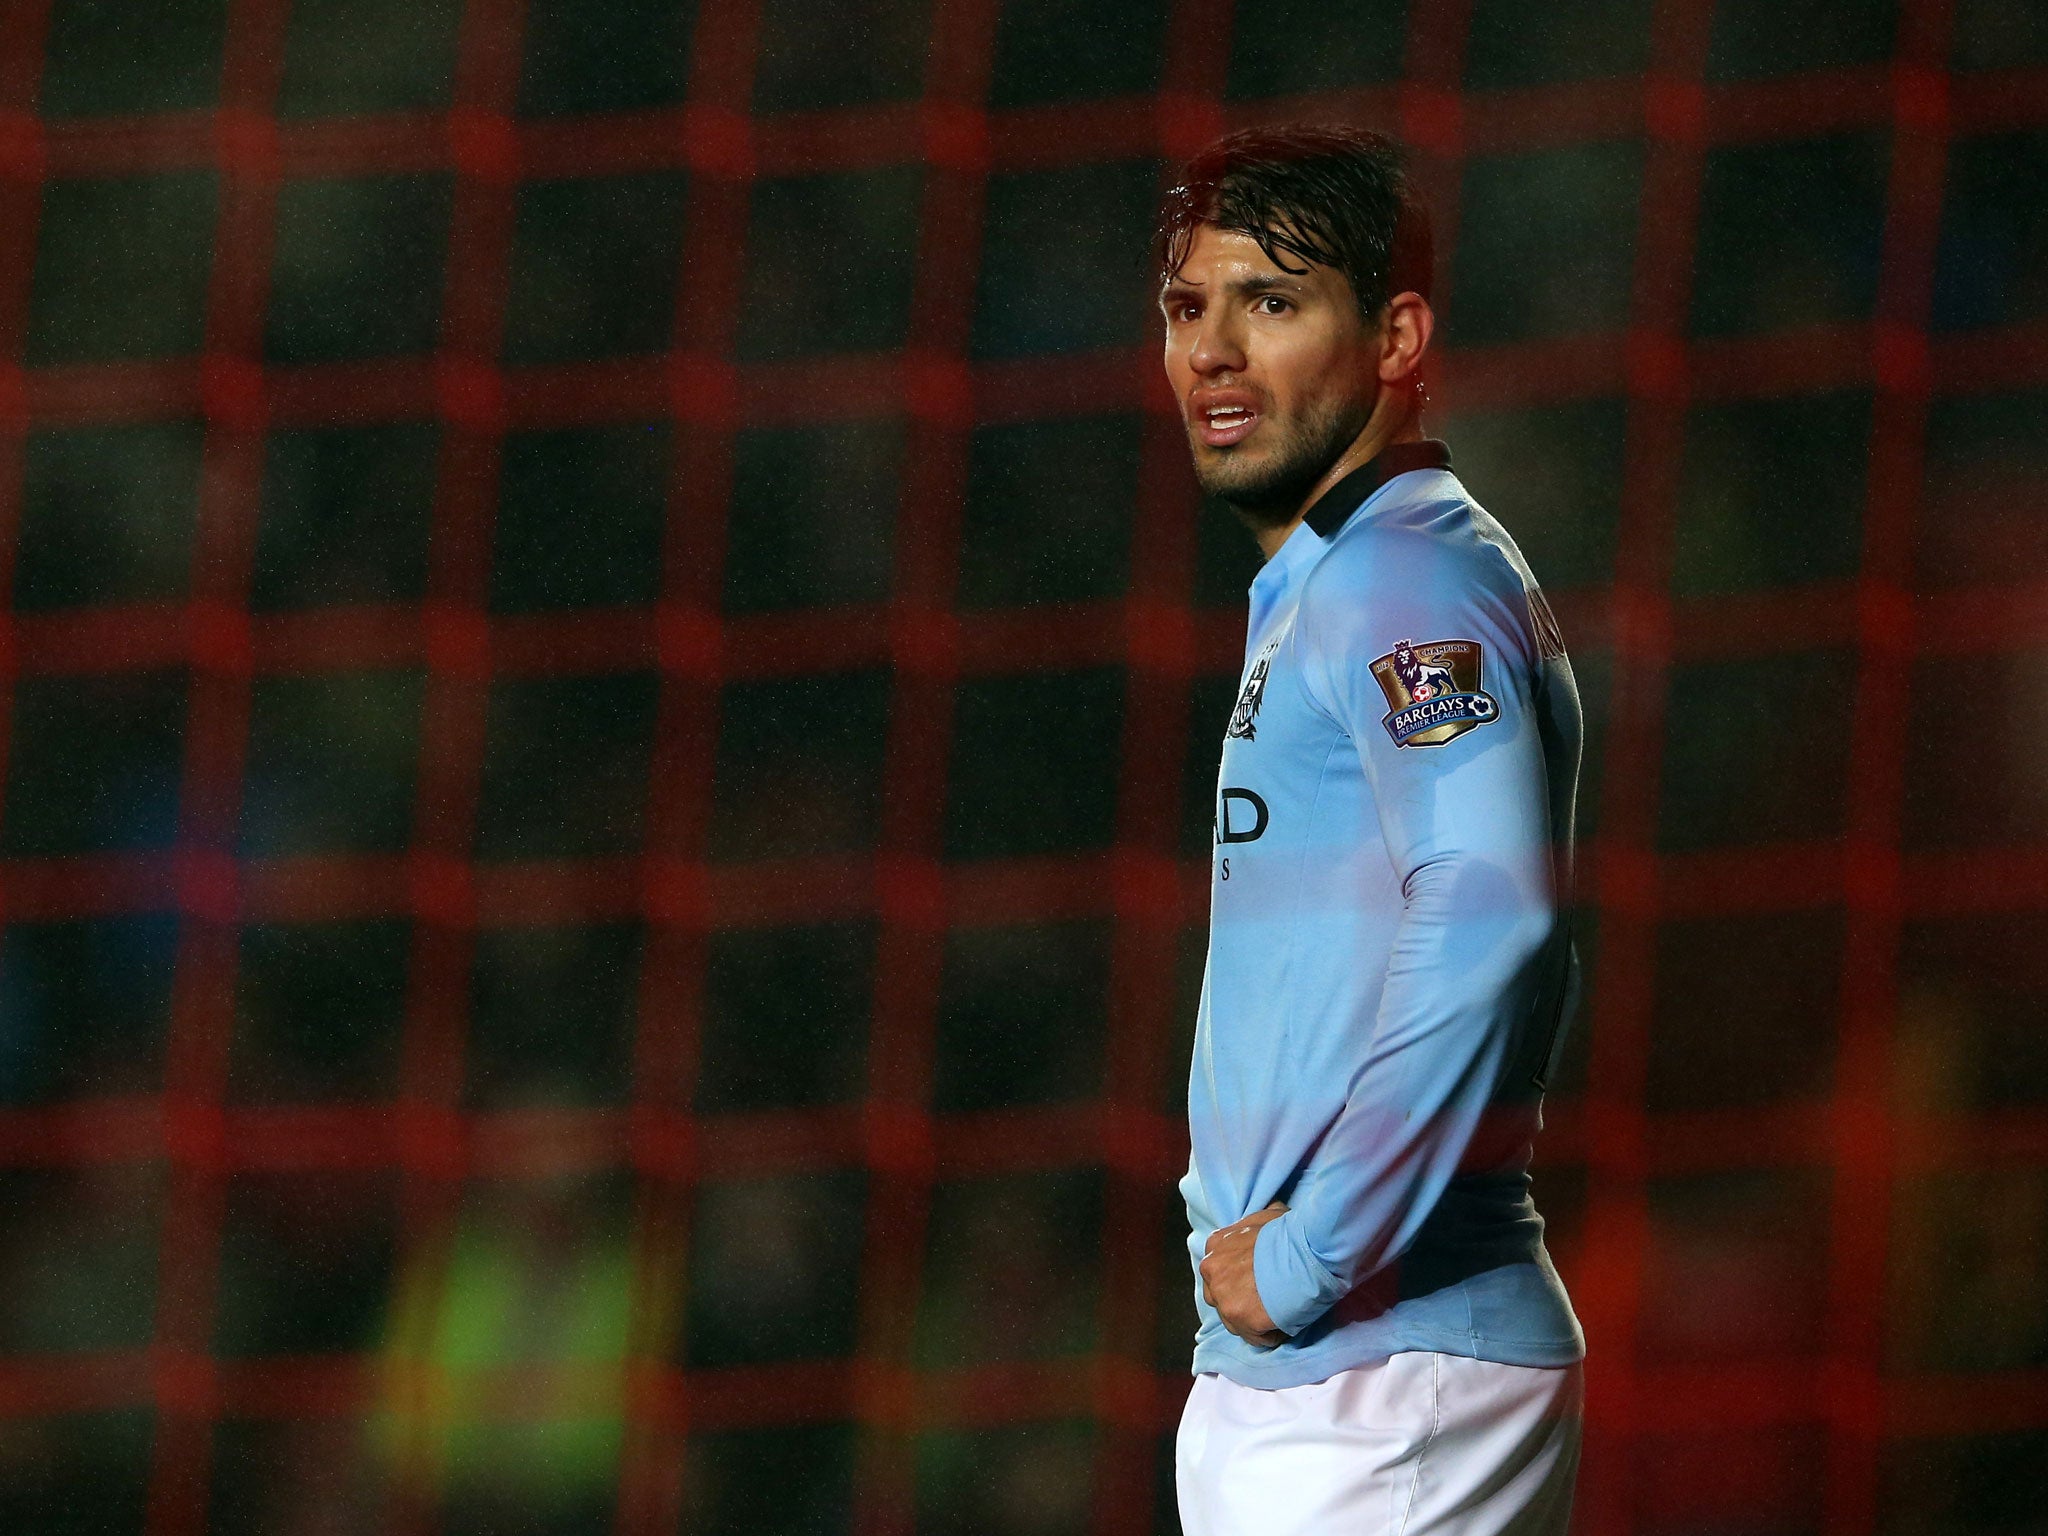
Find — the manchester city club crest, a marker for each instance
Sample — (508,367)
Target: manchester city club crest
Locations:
(1252,695)
(1434,691)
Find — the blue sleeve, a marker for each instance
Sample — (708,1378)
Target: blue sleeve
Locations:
(1466,822)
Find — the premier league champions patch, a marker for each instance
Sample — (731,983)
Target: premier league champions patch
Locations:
(1433,691)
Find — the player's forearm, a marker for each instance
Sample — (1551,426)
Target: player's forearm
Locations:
(1444,1042)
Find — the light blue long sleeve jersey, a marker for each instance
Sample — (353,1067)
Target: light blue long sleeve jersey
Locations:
(1389,961)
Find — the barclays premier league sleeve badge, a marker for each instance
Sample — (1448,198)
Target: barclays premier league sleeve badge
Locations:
(1433,691)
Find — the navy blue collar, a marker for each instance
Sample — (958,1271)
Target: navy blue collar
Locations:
(1334,507)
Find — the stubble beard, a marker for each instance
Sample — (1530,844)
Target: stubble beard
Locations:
(1267,491)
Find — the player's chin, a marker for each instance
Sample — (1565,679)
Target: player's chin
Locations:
(1232,471)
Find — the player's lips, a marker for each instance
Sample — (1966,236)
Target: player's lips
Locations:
(1223,416)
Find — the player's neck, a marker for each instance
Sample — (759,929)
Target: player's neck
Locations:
(1390,424)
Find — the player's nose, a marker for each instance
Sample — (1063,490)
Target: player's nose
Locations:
(1217,348)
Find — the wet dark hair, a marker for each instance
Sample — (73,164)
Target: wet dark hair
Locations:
(1339,197)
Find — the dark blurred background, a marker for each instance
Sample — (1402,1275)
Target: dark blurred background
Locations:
(612,686)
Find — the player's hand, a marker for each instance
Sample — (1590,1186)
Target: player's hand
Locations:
(1227,1283)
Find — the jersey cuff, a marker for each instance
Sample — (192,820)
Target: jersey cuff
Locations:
(1293,1285)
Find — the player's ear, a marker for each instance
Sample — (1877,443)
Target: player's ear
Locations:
(1406,326)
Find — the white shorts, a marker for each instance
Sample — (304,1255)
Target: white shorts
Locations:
(1419,1444)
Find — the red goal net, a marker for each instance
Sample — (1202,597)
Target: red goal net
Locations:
(610,694)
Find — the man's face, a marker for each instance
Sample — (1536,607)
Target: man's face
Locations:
(1276,372)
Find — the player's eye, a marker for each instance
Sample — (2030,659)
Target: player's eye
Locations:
(1272,304)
